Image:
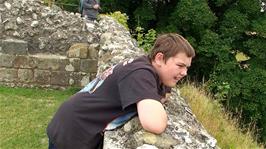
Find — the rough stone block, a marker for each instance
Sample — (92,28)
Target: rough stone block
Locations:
(93,51)
(74,64)
(59,78)
(88,65)
(6,60)
(8,74)
(23,61)
(25,75)
(50,62)
(75,78)
(1,38)
(85,80)
(42,76)
(14,46)
(78,50)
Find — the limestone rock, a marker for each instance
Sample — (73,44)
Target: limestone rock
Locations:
(78,50)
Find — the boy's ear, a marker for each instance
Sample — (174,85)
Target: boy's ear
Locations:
(159,58)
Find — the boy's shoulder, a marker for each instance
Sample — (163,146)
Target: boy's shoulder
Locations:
(132,65)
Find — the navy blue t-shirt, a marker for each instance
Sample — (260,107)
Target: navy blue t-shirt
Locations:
(80,121)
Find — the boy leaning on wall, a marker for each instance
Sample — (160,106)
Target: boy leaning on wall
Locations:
(134,86)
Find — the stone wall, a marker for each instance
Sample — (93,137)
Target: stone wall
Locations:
(47,30)
(37,40)
(45,47)
(18,68)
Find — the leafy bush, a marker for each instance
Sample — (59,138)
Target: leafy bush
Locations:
(145,41)
(120,17)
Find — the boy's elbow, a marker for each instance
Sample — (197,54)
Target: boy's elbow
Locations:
(152,116)
(155,128)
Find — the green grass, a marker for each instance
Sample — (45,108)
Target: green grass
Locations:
(217,122)
(24,115)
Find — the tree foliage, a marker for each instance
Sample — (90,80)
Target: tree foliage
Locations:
(192,17)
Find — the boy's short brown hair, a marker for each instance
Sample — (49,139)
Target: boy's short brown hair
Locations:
(171,44)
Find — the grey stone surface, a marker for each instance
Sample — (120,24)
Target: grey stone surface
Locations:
(78,50)
(23,61)
(25,75)
(88,65)
(6,60)
(59,78)
(49,29)
(42,76)
(13,46)
(50,62)
(74,65)
(8,74)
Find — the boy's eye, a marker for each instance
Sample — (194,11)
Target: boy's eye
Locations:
(180,65)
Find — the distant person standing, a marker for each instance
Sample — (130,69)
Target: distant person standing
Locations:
(90,9)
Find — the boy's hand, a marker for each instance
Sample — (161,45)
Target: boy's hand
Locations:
(166,98)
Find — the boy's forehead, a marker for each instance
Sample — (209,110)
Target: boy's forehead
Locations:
(181,58)
(180,55)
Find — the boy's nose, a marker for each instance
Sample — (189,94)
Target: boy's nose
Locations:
(184,72)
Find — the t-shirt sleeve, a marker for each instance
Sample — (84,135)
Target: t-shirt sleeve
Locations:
(138,85)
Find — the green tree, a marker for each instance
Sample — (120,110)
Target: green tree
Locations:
(242,26)
(144,13)
(192,17)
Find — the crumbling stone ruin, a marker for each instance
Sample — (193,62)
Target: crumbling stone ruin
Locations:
(48,47)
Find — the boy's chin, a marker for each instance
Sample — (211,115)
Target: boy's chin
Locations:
(170,84)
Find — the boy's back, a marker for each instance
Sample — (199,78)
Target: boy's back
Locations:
(80,121)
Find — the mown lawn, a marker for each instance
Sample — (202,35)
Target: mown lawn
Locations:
(24,115)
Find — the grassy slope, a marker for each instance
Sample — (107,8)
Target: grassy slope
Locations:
(217,122)
(24,115)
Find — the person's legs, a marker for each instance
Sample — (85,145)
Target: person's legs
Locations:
(89,19)
(51,145)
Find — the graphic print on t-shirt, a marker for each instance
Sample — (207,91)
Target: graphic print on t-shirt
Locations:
(98,81)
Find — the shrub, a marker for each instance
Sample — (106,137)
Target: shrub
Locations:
(120,17)
(145,41)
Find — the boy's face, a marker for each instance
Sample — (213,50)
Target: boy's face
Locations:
(174,69)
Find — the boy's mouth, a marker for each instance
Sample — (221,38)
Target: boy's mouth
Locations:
(176,78)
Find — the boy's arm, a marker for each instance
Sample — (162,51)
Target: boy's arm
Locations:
(152,115)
